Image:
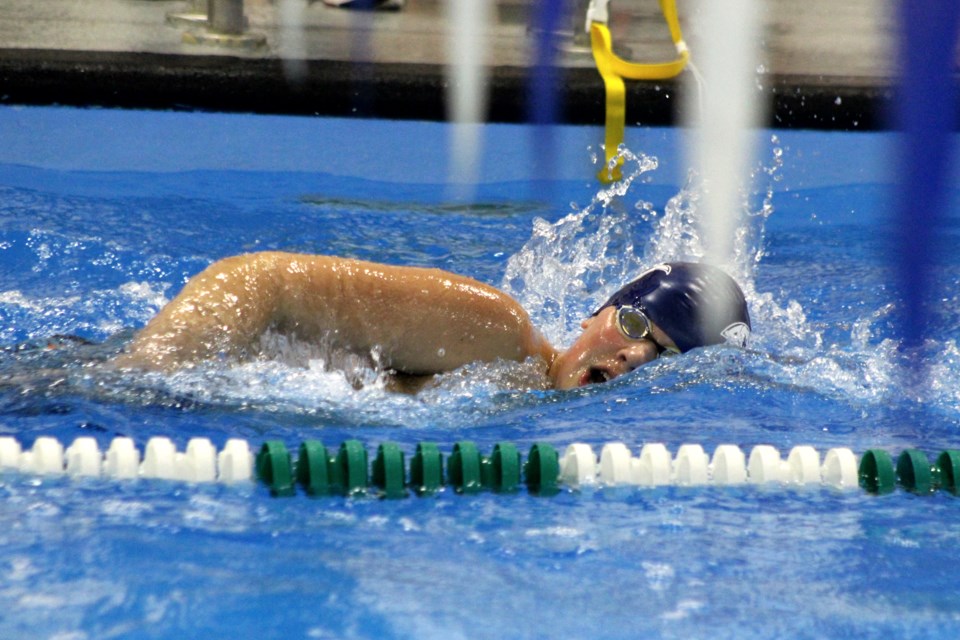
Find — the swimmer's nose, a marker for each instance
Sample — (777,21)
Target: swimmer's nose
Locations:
(636,355)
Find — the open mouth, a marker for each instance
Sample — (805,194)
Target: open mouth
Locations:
(595,375)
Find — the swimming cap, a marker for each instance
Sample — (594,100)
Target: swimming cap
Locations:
(695,304)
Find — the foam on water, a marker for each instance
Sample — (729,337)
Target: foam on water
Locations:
(102,312)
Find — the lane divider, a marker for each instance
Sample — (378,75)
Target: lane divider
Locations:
(200,462)
(348,471)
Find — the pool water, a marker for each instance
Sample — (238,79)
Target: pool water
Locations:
(104,215)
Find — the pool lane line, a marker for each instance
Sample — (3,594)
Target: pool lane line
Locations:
(199,463)
(348,471)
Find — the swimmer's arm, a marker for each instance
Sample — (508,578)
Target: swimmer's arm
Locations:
(417,321)
(221,312)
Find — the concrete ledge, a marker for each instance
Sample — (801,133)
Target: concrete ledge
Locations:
(384,90)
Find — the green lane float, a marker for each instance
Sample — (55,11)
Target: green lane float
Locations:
(914,472)
(948,462)
(426,469)
(505,468)
(313,469)
(275,469)
(352,464)
(465,468)
(389,473)
(876,472)
(347,471)
(542,470)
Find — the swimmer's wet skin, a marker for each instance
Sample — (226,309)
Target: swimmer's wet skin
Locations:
(418,321)
(421,322)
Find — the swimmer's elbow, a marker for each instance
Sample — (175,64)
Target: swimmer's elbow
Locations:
(164,353)
(138,360)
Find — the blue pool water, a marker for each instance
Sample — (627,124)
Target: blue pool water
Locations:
(105,214)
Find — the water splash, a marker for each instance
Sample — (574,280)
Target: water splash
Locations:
(566,267)
(97,314)
(331,385)
(569,267)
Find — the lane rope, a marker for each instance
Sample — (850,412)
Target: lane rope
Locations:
(348,471)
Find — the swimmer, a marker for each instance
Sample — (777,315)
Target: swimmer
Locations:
(420,322)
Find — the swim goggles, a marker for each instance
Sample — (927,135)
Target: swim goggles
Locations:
(635,325)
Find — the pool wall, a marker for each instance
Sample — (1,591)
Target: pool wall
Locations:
(384,90)
(824,68)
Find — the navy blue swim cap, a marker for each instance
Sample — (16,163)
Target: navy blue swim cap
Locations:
(695,304)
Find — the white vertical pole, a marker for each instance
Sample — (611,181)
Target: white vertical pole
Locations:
(467,78)
(722,112)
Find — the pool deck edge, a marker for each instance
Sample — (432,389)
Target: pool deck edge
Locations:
(143,80)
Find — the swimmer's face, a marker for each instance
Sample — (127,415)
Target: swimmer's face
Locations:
(603,352)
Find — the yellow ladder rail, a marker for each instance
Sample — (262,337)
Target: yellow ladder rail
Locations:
(613,69)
